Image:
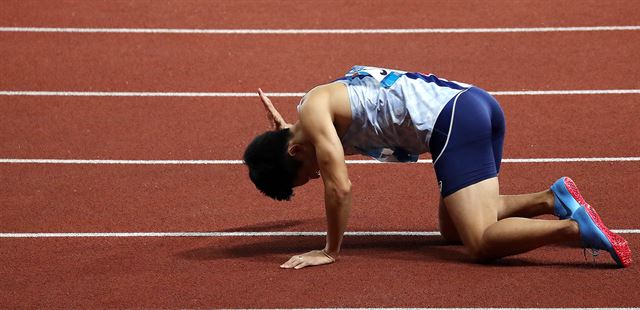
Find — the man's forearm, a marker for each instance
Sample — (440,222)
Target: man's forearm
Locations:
(337,207)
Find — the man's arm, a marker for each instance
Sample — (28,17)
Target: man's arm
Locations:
(317,123)
(337,191)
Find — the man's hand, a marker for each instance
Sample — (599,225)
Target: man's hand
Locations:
(273,115)
(313,258)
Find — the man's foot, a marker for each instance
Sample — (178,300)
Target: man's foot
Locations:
(567,198)
(596,236)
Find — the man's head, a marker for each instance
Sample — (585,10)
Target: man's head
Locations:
(277,165)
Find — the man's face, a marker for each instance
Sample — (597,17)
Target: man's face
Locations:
(308,170)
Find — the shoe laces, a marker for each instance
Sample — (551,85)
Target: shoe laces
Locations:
(594,254)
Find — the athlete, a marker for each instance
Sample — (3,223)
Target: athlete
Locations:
(392,115)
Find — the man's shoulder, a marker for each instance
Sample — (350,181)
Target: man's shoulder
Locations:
(332,98)
(321,97)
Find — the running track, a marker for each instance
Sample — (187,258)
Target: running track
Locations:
(242,271)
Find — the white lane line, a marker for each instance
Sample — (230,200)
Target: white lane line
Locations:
(118,161)
(212,234)
(317,31)
(238,234)
(565,92)
(239,162)
(464,309)
(291,94)
(569,160)
(141,94)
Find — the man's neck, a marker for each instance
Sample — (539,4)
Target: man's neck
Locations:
(297,134)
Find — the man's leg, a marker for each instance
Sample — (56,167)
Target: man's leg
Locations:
(474,212)
(526,205)
(447,229)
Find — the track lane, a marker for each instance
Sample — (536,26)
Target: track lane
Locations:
(197,272)
(80,198)
(231,272)
(313,14)
(220,128)
(121,62)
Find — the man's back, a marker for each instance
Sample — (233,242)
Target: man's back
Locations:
(393,112)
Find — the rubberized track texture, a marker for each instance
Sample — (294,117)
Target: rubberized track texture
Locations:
(123,123)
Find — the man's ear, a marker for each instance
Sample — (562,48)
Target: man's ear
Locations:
(294,149)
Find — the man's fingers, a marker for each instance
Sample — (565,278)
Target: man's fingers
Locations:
(266,102)
(312,258)
(295,264)
(272,114)
(264,98)
(292,262)
(288,263)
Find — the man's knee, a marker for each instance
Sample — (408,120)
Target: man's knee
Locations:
(479,252)
(450,234)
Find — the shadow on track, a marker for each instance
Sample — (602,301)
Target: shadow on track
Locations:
(404,248)
(268,226)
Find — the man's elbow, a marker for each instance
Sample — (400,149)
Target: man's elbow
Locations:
(339,190)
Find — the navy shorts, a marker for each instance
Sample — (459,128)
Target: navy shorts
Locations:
(466,142)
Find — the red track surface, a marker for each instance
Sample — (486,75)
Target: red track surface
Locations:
(190,128)
(126,62)
(312,14)
(243,271)
(382,272)
(205,198)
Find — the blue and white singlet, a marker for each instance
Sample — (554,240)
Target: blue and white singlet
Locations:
(394,112)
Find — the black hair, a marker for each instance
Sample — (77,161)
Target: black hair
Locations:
(271,168)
